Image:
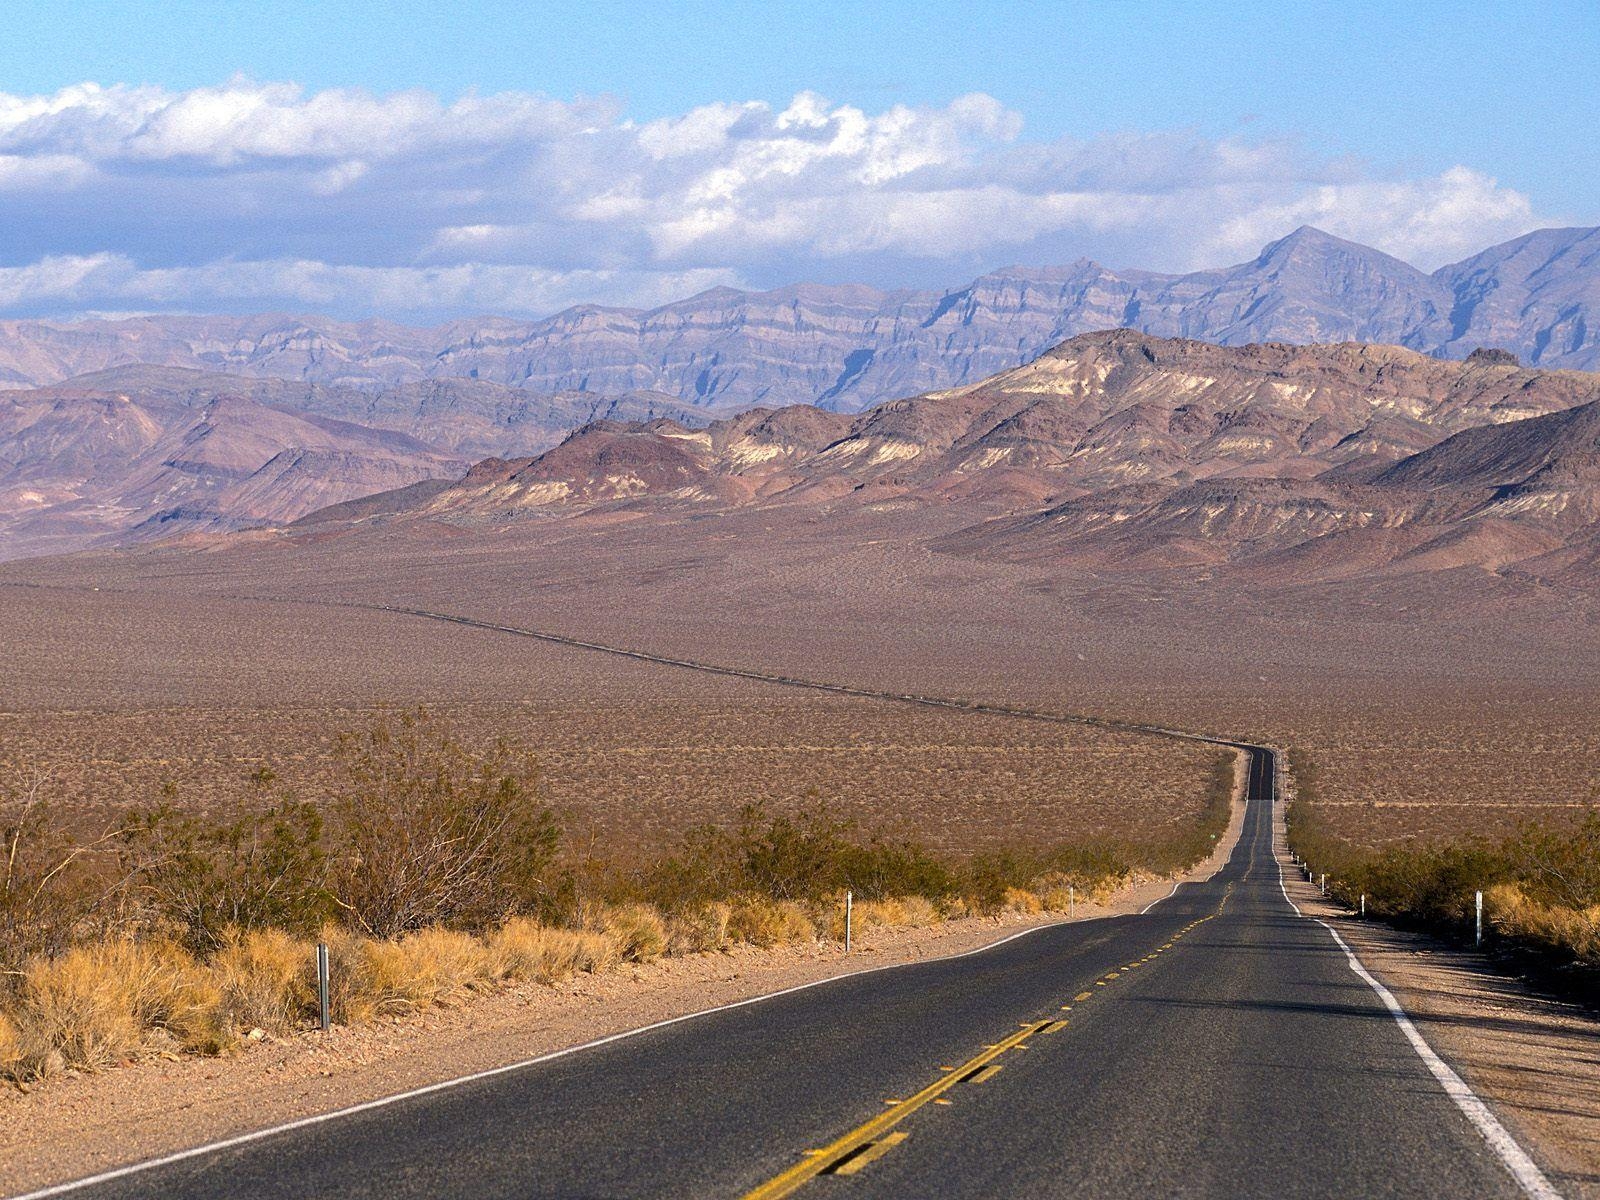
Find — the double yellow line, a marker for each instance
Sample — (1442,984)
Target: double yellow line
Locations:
(872,1138)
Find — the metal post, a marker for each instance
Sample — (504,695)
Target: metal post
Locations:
(322,985)
(1478,940)
(849,913)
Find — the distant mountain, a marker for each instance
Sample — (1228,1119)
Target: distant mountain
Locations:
(140,451)
(848,347)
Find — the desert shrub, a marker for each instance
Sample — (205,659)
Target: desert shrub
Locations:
(205,877)
(47,889)
(1541,884)
(1558,865)
(988,877)
(791,858)
(426,832)
(807,858)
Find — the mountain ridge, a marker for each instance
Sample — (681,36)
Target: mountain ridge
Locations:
(849,346)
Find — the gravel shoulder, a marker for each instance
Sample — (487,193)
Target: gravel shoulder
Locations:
(1534,1059)
(75,1125)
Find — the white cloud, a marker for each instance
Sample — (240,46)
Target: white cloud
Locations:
(407,205)
(91,282)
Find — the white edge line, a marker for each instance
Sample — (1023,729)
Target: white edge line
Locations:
(257,1135)
(1169,895)
(1516,1160)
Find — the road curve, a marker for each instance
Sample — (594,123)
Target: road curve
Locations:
(1219,1045)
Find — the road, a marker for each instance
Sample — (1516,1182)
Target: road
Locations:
(1219,1045)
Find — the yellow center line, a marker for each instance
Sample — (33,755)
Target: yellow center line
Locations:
(877,1150)
(868,1134)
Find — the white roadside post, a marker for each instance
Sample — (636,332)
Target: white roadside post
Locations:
(1478,934)
(1363,904)
(1072,901)
(1324,885)
(322,986)
(849,913)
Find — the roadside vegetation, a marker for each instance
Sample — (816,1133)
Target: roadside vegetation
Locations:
(1541,883)
(434,872)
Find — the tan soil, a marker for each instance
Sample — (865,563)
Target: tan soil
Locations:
(75,1125)
(1535,1060)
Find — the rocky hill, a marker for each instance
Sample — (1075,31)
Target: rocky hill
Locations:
(849,347)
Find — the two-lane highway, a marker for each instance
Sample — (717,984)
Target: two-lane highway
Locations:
(1218,1045)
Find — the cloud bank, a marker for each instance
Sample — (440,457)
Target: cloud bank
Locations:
(254,196)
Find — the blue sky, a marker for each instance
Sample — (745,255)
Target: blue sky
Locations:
(424,160)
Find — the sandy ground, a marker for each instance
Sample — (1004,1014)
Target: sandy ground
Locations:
(1535,1060)
(74,1125)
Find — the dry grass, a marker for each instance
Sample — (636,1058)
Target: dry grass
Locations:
(425,969)
(11,1046)
(106,1003)
(524,950)
(764,922)
(267,979)
(639,932)
(907,912)
(1574,931)
(700,929)
(95,1005)
(1020,900)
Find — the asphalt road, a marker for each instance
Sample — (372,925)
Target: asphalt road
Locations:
(1219,1046)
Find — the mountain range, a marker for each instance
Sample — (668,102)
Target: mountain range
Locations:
(849,347)
(1130,452)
